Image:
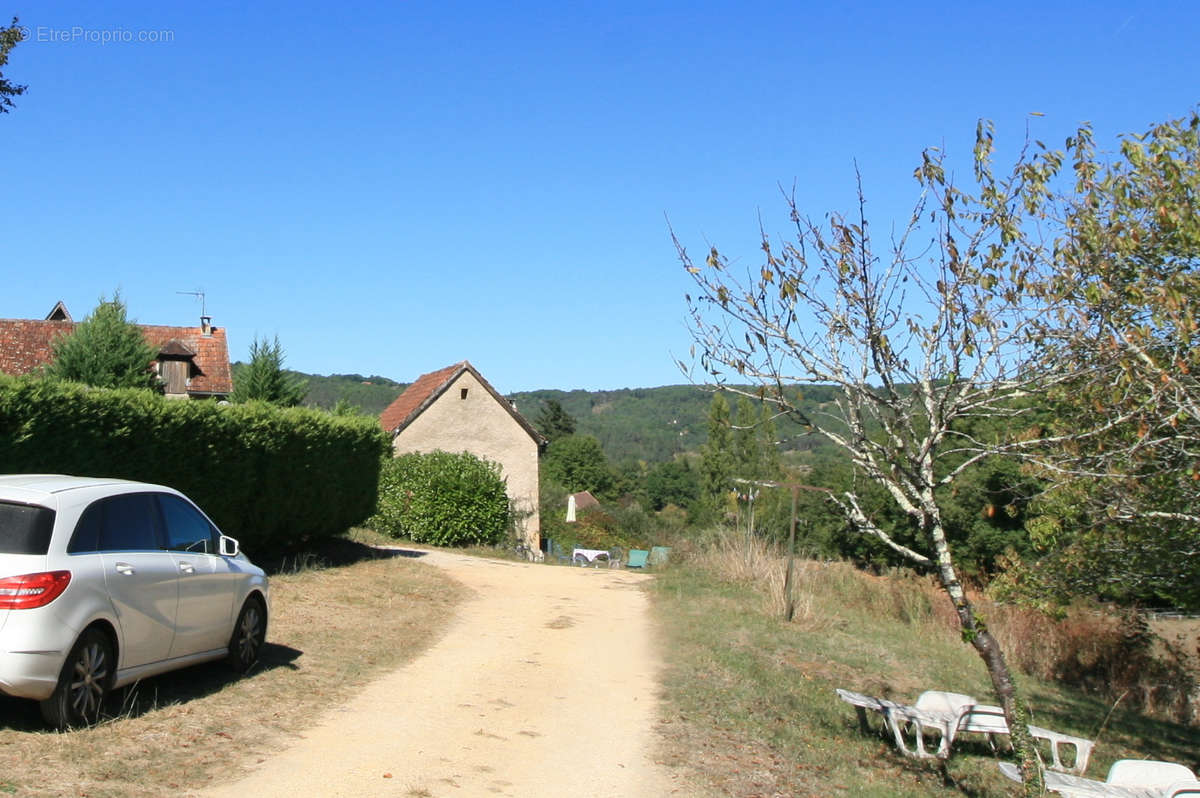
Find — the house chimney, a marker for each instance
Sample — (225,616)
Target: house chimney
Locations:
(206,325)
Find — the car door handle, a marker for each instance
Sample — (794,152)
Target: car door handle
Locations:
(187,568)
(125,568)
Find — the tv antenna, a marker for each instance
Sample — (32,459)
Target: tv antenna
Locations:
(199,293)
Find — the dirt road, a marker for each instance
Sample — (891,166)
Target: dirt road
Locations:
(544,685)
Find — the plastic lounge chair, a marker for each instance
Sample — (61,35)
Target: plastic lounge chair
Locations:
(949,714)
(862,703)
(637,558)
(989,720)
(1147,773)
(658,555)
(1082,746)
(557,551)
(900,720)
(1127,778)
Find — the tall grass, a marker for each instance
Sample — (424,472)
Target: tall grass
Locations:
(744,682)
(1113,655)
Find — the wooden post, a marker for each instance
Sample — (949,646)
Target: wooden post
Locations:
(789,610)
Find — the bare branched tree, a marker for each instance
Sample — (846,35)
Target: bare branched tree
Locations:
(920,338)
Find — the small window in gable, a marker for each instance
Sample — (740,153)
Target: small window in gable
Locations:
(462,394)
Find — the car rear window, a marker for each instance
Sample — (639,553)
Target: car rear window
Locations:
(25,528)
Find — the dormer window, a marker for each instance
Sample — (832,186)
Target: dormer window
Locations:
(175,364)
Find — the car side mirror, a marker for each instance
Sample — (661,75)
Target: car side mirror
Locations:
(229,546)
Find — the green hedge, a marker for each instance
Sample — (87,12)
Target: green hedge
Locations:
(442,498)
(271,477)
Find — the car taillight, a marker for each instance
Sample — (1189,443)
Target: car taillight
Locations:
(32,590)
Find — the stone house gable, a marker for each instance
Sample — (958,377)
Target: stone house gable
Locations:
(455,409)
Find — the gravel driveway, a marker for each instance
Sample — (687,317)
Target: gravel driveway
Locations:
(544,685)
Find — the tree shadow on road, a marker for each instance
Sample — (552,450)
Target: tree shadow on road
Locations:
(335,553)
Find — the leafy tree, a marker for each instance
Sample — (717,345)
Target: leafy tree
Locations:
(263,378)
(554,422)
(442,498)
(105,350)
(578,463)
(9,38)
(672,483)
(916,340)
(1125,512)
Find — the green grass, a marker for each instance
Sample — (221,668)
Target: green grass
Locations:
(750,703)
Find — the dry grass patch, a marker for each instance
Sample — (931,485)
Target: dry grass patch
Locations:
(749,706)
(331,630)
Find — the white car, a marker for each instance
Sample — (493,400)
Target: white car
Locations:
(104,582)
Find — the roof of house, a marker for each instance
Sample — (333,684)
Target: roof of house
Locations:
(426,390)
(213,374)
(584,499)
(59,313)
(27,344)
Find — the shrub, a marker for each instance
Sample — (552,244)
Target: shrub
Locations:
(599,529)
(442,498)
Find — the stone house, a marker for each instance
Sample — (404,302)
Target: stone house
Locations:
(456,410)
(192,362)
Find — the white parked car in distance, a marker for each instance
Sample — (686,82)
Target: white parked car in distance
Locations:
(105,581)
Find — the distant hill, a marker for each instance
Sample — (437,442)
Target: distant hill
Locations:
(369,394)
(652,424)
(648,424)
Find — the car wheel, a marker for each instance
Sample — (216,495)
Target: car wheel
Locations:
(249,635)
(83,683)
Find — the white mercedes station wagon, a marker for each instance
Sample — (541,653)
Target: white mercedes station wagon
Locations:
(104,582)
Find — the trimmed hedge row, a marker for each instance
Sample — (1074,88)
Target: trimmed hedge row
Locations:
(271,477)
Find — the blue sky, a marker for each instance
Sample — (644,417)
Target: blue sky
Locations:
(393,187)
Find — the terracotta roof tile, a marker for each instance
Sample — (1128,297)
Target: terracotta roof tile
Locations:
(400,413)
(212,355)
(397,415)
(26,345)
(584,499)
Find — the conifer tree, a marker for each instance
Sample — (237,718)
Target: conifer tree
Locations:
(105,350)
(716,456)
(263,378)
(553,421)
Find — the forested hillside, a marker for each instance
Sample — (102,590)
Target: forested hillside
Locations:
(651,424)
(369,394)
(632,424)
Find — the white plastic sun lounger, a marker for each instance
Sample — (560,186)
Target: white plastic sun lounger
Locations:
(950,714)
(1127,778)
